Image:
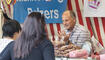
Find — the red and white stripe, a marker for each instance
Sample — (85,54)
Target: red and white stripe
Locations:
(7,8)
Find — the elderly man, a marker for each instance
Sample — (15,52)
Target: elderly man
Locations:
(75,34)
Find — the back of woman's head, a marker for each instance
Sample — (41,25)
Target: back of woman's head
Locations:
(31,35)
(33,25)
(10,27)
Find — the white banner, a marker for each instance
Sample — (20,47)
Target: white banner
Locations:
(94,8)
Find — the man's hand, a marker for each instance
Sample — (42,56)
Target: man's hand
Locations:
(63,36)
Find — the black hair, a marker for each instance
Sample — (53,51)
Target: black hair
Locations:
(6,16)
(10,27)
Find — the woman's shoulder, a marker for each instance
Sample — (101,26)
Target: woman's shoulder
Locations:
(10,45)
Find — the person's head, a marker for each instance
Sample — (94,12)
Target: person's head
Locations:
(11,29)
(31,35)
(69,19)
(33,26)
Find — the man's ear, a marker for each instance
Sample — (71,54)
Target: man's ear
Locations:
(15,35)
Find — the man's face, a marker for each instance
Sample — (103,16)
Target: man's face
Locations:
(68,21)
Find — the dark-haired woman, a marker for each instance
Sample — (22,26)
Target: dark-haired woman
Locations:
(32,44)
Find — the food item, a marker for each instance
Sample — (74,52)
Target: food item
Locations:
(62,49)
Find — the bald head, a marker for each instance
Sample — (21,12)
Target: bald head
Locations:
(70,13)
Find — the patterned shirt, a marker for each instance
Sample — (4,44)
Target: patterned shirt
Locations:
(79,35)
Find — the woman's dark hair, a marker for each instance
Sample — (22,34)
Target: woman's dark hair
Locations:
(10,27)
(32,34)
